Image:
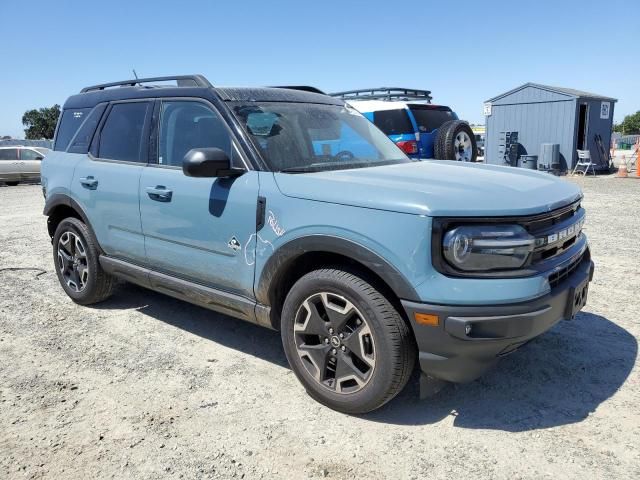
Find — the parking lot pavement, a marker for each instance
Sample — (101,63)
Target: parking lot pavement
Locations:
(144,386)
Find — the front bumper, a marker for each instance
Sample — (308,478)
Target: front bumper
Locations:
(470,339)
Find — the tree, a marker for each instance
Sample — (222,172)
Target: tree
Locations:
(41,123)
(630,125)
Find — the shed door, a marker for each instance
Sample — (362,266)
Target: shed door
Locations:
(583,127)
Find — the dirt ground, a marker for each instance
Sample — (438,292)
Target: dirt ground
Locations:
(144,386)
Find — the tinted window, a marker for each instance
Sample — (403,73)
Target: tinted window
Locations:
(393,122)
(70,122)
(26,154)
(121,136)
(8,153)
(430,119)
(187,125)
(80,143)
(42,150)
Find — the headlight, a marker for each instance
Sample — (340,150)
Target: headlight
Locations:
(487,247)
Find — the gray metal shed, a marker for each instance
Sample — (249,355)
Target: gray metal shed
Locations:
(542,114)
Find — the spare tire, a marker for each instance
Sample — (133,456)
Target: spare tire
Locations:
(455,141)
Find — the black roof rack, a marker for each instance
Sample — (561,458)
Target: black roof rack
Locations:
(182,81)
(385,93)
(304,88)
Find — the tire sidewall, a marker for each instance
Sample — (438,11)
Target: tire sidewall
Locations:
(80,229)
(444,145)
(378,385)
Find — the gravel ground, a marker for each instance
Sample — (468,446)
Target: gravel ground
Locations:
(144,386)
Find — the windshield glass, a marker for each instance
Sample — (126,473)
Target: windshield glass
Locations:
(304,137)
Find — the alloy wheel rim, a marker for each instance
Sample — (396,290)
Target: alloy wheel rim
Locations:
(462,147)
(72,261)
(335,343)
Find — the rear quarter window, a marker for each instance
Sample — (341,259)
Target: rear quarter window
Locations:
(70,121)
(393,122)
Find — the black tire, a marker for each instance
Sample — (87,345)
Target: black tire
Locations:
(12,184)
(392,343)
(445,145)
(99,284)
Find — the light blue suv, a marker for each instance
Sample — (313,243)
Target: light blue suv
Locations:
(287,208)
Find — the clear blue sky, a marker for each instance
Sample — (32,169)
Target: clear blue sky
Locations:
(463,51)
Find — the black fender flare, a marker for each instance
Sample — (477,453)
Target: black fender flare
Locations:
(60,199)
(279,262)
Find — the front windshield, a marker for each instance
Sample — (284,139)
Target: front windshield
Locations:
(309,137)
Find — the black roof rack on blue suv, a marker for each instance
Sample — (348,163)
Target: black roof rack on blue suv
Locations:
(385,93)
(181,80)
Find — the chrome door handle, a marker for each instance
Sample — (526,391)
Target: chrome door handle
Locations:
(89,182)
(159,193)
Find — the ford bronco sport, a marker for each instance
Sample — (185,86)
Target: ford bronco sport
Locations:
(287,208)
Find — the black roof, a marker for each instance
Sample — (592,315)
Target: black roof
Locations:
(274,94)
(193,86)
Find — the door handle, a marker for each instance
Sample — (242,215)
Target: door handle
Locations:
(159,193)
(89,182)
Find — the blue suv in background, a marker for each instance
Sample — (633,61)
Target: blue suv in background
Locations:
(287,208)
(421,129)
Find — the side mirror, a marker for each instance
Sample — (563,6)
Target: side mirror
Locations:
(39,157)
(208,162)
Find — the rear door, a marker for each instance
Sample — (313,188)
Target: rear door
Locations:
(428,119)
(9,165)
(30,161)
(106,181)
(200,229)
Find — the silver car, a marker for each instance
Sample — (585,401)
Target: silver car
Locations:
(20,164)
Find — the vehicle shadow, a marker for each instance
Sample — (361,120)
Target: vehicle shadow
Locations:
(557,379)
(233,333)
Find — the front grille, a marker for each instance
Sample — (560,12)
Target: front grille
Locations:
(565,272)
(560,230)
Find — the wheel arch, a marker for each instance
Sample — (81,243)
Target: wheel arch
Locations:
(302,255)
(60,206)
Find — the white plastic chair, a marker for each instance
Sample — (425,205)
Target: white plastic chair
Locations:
(584,160)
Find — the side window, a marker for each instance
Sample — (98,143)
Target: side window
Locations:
(121,135)
(70,121)
(186,125)
(393,122)
(26,154)
(8,153)
(81,141)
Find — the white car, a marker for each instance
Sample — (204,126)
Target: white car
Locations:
(20,164)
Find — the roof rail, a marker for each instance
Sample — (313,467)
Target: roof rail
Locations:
(385,93)
(182,80)
(304,88)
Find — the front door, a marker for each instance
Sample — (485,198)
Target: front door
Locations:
(199,229)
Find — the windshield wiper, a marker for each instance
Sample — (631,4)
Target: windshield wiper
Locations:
(306,169)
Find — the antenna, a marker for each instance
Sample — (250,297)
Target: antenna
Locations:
(134,73)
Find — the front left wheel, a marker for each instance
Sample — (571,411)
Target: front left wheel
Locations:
(76,257)
(345,341)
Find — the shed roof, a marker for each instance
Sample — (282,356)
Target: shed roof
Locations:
(571,92)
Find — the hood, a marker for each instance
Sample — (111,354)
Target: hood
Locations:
(435,188)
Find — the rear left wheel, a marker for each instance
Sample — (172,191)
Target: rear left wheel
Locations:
(76,258)
(345,342)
